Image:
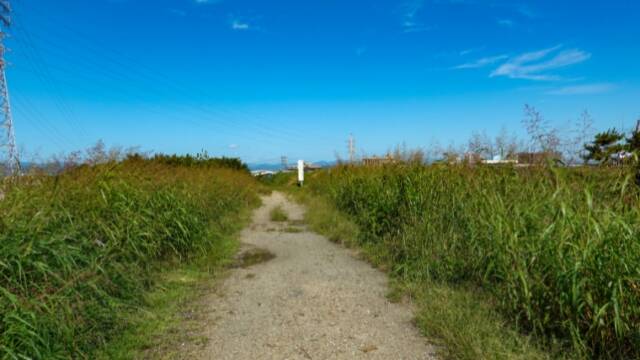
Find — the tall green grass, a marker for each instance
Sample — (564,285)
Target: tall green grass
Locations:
(559,249)
(78,250)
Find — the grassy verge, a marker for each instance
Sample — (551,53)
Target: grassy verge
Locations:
(325,219)
(170,317)
(557,248)
(79,252)
(463,322)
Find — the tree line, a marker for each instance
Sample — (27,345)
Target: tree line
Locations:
(574,143)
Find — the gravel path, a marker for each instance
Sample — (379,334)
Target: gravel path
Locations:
(314,300)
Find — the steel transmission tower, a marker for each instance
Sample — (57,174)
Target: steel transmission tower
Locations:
(6,120)
(352,148)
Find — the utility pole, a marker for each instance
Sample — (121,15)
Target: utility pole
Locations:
(6,120)
(352,148)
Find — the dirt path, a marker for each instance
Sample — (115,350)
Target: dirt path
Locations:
(312,301)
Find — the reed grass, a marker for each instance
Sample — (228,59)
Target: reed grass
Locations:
(79,249)
(557,249)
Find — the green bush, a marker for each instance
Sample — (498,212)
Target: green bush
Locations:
(199,160)
(79,249)
(558,248)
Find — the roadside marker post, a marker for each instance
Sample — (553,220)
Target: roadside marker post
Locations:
(300,172)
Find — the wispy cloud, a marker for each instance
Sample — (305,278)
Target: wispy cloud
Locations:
(506,22)
(207,1)
(482,62)
(536,65)
(178,12)
(526,11)
(240,25)
(585,89)
(466,52)
(410,10)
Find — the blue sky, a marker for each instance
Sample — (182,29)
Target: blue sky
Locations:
(261,79)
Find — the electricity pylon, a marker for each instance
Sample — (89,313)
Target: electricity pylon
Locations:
(6,120)
(352,148)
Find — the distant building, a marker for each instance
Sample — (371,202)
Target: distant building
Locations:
(259,173)
(307,167)
(377,161)
(472,158)
(621,157)
(498,160)
(537,158)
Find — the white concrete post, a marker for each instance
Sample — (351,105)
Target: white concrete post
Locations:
(300,172)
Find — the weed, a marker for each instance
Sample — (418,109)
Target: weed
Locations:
(79,250)
(278,214)
(253,256)
(292,230)
(556,249)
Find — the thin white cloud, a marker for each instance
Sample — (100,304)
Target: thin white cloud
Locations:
(466,52)
(412,28)
(410,12)
(526,11)
(585,89)
(178,12)
(482,62)
(506,23)
(535,65)
(239,25)
(412,8)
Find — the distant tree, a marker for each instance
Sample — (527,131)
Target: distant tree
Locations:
(583,131)
(404,154)
(201,160)
(506,145)
(633,141)
(452,154)
(97,154)
(543,137)
(434,150)
(604,145)
(481,144)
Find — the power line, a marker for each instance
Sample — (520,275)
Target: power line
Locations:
(191,114)
(13,159)
(110,68)
(160,80)
(42,71)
